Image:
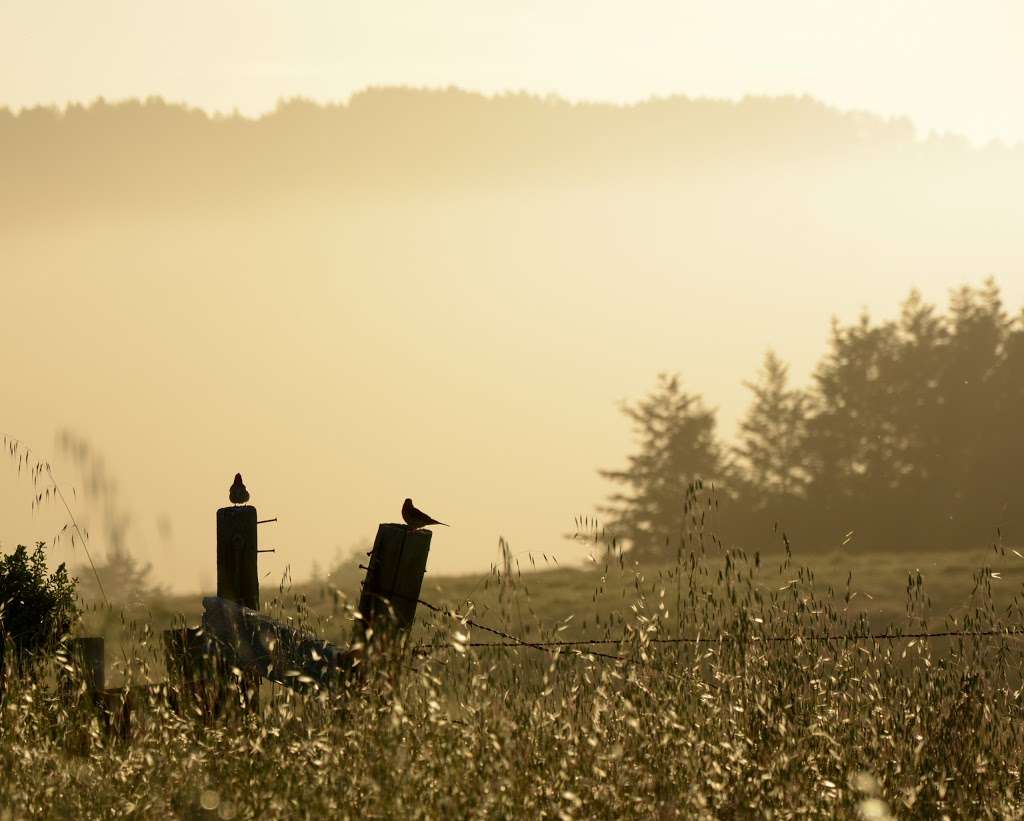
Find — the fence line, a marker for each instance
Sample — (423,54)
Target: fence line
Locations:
(515,641)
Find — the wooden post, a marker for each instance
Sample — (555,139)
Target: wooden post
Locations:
(393,581)
(237,577)
(261,646)
(184,648)
(81,687)
(86,656)
(192,675)
(115,706)
(277,651)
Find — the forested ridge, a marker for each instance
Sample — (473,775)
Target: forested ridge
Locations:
(125,154)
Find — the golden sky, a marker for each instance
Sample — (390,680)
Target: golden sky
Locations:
(951,65)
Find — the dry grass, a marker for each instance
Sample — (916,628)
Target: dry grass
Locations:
(716,729)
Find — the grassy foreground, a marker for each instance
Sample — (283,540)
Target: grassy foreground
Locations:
(734,728)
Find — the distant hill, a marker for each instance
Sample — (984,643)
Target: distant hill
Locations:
(153,153)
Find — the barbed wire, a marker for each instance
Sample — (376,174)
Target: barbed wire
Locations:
(572,645)
(513,641)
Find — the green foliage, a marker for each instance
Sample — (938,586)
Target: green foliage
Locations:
(36,607)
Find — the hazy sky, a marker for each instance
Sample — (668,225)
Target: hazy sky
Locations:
(500,413)
(948,64)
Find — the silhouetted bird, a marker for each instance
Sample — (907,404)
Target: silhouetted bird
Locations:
(238,494)
(417,518)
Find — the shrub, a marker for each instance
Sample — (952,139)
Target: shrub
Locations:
(36,607)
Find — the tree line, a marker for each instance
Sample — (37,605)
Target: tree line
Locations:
(909,436)
(133,153)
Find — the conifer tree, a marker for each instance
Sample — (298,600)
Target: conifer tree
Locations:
(772,457)
(677,450)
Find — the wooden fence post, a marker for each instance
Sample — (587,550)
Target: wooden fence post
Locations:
(82,688)
(183,653)
(86,656)
(237,576)
(394,577)
(275,650)
(193,680)
(261,646)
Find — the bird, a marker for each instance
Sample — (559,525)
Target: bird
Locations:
(238,494)
(415,518)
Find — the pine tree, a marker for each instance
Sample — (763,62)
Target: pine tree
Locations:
(677,450)
(772,457)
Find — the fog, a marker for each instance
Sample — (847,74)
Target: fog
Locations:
(434,302)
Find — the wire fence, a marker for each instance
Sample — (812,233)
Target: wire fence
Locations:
(573,646)
(511,641)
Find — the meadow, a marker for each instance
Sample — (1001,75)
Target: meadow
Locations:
(763,716)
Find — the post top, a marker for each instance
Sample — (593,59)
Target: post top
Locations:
(236,510)
(403,526)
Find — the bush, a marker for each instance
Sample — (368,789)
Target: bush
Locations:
(36,607)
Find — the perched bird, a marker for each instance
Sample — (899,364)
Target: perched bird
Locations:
(417,518)
(238,494)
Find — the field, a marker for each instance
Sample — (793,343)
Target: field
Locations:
(740,727)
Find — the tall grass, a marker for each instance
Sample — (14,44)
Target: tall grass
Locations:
(774,706)
(733,725)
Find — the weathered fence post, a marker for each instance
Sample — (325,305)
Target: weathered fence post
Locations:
(261,646)
(86,657)
(184,649)
(193,681)
(394,578)
(237,575)
(82,688)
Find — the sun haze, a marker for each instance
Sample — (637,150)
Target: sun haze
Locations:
(417,281)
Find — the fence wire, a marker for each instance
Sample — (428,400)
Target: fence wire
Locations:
(573,646)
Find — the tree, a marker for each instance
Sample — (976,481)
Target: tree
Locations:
(859,453)
(913,422)
(974,387)
(909,435)
(677,448)
(124,578)
(1003,454)
(772,456)
(36,607)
